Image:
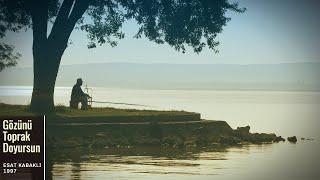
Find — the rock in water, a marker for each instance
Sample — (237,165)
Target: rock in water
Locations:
(292,139)
(279,138)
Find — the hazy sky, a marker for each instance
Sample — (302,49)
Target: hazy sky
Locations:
(270,31)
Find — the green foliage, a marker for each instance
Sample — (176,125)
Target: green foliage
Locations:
(179,23)
(7,56)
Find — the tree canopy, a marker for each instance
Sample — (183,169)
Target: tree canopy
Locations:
(179,23)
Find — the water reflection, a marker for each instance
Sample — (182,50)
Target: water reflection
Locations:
(152,162)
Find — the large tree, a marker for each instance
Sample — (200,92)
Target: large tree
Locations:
(179,23)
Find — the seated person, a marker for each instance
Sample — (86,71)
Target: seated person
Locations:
(78,95)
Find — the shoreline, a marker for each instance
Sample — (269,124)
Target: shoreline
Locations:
(111,127)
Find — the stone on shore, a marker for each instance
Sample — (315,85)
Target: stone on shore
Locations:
(243,133)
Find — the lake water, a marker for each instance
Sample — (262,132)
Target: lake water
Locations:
(285,113)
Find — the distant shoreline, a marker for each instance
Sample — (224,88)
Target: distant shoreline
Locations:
(257,77)
(28,87)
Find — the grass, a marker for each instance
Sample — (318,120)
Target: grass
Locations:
(60,110)
(14,110)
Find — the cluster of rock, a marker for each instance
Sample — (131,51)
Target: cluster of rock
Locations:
(243,135)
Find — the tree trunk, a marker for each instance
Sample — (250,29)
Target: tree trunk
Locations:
(48,50)
(46,63)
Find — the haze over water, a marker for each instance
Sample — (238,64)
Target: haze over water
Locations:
(285,113)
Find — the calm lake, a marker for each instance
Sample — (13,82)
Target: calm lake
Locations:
(285,113)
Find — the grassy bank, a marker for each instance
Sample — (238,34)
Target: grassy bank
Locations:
(107,114)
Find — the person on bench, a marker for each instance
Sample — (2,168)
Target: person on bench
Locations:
(78,96)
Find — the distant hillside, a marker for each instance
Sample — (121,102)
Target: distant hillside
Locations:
(295,76)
